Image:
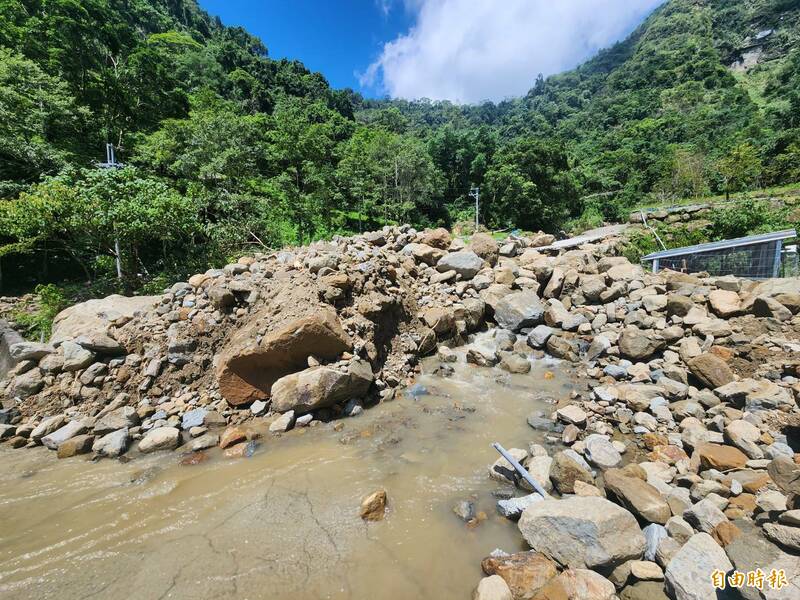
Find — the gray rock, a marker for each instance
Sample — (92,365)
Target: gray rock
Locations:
(513,507)
(46,427)
(193,418)
(282,423)
(538,336)
(601,452)
(783,535)
(519,310)
(582,532)
(205,441)
(465,510)
(62,434)
(121,418)
(29,350)
(638,344)
(688,574)
(76,357)
(160,438)
(502,470)
(112,444)
(465,263)
(101,343)
(27,384)
(258,407)
(320,387)
(751,551)
(705,515)
(653,534)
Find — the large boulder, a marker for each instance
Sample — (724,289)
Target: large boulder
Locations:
(578,584)
(711,370)
(519,310)
(638,345)
(466,263)
(524,572)
(120,418)
(688,574)
(582,532)
(725,303)
(320,387)
(160,438)
(755,395)
(637,496)
(486,247)
(437,238)
(95,316)
(566,469)
(247,368)
(751,551)
(764,306)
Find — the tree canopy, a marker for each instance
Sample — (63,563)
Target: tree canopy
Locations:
(229,150)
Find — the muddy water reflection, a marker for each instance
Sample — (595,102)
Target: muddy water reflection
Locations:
(284,523)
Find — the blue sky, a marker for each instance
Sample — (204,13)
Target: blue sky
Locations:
(460,50)
(336,37)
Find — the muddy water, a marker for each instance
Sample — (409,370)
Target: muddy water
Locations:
(283,523)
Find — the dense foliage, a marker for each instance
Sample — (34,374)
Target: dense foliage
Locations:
(228,149)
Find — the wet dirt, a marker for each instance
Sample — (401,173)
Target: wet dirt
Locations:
(283,523)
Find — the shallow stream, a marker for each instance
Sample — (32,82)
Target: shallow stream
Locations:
(283,523)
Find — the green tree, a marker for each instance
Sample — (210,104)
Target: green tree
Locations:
(385,176)
(39,122)
(529,186)
(97,214)
(740,169)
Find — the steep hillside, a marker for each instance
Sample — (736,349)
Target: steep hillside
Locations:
(226,149)
(696,80)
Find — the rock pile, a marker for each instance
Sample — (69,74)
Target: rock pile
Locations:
(684,442)
(682,450)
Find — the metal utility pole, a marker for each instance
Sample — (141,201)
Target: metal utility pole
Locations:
(111,163)
(476,193)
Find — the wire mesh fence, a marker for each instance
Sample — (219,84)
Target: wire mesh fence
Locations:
(753,257)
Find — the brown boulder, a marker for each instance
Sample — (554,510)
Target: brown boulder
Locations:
(80,444)
(678,305)
(247,368)
(565,471)
(764,306)
(711,370)
(235,434)
(638,496)
(720,457)
(578,584)
(524,572)
(725,303)
(638,344)
(437,238)
(486,247)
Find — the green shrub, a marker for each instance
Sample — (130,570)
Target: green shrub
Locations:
(37,318)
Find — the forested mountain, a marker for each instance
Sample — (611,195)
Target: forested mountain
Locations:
(226,148)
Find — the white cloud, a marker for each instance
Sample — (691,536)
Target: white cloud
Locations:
(473,50)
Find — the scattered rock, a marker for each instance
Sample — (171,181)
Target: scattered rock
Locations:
(373,507)
(582,532)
